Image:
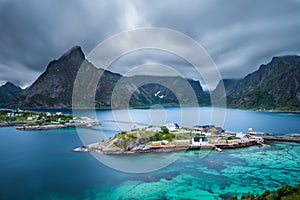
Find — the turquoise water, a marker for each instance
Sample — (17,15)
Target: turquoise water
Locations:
(41,165)
(218,175)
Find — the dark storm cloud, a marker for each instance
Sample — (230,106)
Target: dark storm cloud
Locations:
(239,35)
(34,32)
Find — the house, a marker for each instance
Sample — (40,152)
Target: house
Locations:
(58,113)
(209,129)
(172,127)
(216,130)
(218,142)
(197,141)
(153,129)
(182,142)
(250,131)
(156,144)
(29,118)
(233,141)
(258,139)
(48,114)
(166,143)
(240,135)
(244,140)
(10,114)
(247,137)
(35,116)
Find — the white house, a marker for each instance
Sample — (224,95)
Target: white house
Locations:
(10,114)
(251,131)
(196,141)
(240,135)
(153,129)
(172,127)
(35,116)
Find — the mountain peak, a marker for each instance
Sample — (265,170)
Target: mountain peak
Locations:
(9,91)
(71,59)
(10,84)
(75,51)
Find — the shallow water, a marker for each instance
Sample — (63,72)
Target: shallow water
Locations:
(41,165)
(216,176)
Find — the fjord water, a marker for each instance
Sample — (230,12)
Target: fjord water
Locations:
(41,164)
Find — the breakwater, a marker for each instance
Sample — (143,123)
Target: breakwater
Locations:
(281,139)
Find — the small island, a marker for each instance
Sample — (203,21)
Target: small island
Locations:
(33,120)
(171,137)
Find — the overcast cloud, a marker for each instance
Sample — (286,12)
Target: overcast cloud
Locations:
(238,35)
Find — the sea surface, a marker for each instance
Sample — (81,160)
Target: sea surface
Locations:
(42,165)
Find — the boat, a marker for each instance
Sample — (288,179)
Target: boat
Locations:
(218,149)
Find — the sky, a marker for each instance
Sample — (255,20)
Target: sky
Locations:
(239,36)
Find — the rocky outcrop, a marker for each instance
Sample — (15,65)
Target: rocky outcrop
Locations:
(53,89)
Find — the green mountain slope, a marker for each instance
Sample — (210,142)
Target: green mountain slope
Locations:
(275,85)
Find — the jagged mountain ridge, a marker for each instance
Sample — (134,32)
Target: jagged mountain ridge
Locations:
(9,91)
(275,85)
(53,89)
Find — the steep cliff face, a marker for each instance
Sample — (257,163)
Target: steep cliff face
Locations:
(275,85)
(9,91)
(54,88)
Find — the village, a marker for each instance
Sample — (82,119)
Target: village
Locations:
(207,136)
(33,120)
(171,137)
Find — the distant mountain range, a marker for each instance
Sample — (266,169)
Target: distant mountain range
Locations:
(275,85)
(9,91)
(53,89)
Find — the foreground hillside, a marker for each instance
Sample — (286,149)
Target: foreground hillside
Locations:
(286,192)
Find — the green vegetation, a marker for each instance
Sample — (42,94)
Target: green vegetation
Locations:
(164,130)
(286,192)
(125,139)
(165,134)
(161,136)
(35,118)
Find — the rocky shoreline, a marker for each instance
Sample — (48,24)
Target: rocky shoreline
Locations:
(58,126)
(12,123)
(100,148)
